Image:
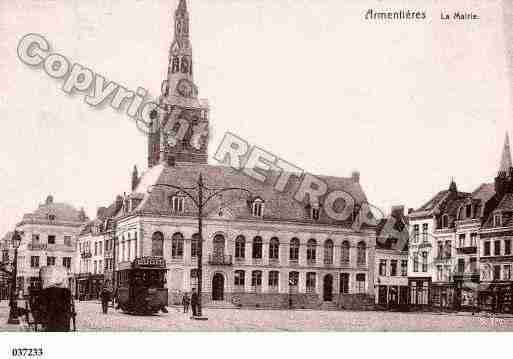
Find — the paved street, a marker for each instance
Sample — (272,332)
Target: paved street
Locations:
(90,319)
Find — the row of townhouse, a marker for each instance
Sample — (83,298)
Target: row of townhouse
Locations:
(460,246)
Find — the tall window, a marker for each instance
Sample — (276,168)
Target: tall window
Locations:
(404,267)
(445,221)
(328,251)
(34,261)
(448,249)
(157,244)
(35,239)
(310,282)
(439,272)
(175,65)
(240,247)
(239,278)
(311,247)
(382,267)
(468,211)
(497,272)
(393,268)
(274,248)
(344,283)
(95,248)
(507,272)
(177,204)
(177,245)
(461,240)
(315,213)
(50,261)
(461,265)
(258,208)
(345,252)
(51,239)
(507,247)
(487,248)
(361,253)
(497,248)
(256,278)
(360,283)
(497,220)
(473,239)
(195,245)
(66,262)
(415,233)
(294,249)
(274,277)
(424,232)
(257,248)
(415,262)
(424,262)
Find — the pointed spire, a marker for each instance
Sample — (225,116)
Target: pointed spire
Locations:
(453,187)
(506,163)
(182,6)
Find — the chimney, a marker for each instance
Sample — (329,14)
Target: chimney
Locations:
(355,176)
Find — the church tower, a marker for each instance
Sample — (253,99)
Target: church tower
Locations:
(504,179)
(180,127)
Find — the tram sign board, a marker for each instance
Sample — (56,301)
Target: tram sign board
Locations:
(150,262)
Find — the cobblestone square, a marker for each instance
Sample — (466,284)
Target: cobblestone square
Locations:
(90,319)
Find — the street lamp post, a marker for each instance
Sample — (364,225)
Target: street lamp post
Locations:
(13,303)
(200,201)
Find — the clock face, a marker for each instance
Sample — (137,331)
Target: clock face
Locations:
(185,88)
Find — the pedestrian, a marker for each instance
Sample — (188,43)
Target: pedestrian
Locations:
(185,302)
(105,296)
(194,302)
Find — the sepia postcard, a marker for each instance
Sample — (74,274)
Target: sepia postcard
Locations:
(255,166)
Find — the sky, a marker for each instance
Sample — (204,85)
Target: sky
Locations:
(409,104)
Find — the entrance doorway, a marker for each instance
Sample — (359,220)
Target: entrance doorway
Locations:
(328,288)
(218,287)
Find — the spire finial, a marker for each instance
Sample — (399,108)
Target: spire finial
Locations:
(182,6)
(452,186)
(506,163)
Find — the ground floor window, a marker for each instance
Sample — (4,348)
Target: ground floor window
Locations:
(256,278)
(239,278)
(344,283)
(360,283)
(274,277)
(310,282)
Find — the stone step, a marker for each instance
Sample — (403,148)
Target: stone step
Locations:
(222,304)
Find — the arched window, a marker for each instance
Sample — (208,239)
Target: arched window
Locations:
(311,247)
(175,67)
(328,251)
(195,245)
(157,244)
(257,248)
(177,245)
(294,249)
(240,247)
(185,65)
(274,248)
(256,278)
(239,278)
(361,253)
(345,252)
(219,243)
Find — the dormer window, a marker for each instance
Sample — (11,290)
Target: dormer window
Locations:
(257,208)
(177,204)
(497,220)
(445,221)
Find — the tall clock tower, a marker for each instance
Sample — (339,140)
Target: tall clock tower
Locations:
(181,125)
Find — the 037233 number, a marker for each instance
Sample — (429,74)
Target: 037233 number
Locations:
(26,352)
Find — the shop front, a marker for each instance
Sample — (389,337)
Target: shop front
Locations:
(88,286)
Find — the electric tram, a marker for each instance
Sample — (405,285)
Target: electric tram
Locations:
(141,286)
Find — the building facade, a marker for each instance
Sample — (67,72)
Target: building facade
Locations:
(262,250)
(50,235)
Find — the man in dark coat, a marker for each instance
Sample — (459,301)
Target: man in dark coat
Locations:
(105,296)
(55,304)
(185,302)
(194,302)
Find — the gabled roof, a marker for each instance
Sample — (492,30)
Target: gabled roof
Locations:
(63,212)
(278,206)
(506,207)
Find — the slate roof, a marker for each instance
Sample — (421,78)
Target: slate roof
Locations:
(63,212)
(103,218)
(391,241)
(277,206)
